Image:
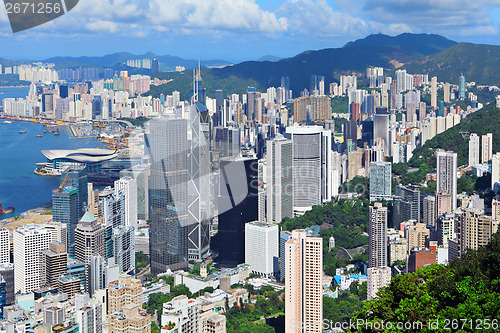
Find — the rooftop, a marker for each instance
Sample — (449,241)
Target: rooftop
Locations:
(84,155)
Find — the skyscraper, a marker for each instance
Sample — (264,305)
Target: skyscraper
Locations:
(476,229)
(89,240)
(4,246)
(495,170)
(434,92)
(219,109)
(155,66)
(311,166)
(461,87)
(168,194)
(429,210)
(29,242)
(124,249)
(54,263)
(303,283)
(284,237)
(199,190)
(406,204)
(446,92)
(487,147)
(377,234)
(261,248)
(279,179)
(65,210)
(112,202)
(377,277)
(447,175)
(129,187)
(77,177)
(237,205)
(380,181)
(473,149)
(381,128)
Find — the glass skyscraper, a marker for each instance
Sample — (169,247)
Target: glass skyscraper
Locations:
(237,205)
(199,198)
(168,194)
(65,210)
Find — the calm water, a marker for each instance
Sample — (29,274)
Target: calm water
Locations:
(19,153)
(21,92)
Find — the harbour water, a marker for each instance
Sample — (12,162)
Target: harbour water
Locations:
(19,153)
(13,92)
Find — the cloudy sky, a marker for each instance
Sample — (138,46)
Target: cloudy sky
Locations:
(238,30)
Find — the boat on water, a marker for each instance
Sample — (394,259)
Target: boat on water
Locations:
(7,210)
(44,131)
(57,132)
(39,135)
(7,122)
(22,132)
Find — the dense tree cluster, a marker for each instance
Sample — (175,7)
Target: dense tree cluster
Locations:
(464,293)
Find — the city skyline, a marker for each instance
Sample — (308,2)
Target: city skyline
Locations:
(243,30)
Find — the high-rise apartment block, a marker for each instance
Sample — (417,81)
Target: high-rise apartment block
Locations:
(473,149)
(476,229)
(487,147)
(495,170)
(377,235)
(284,237)
(124,292)
(380,181)
(434,92)
(447,175)
(303,283)
(429,210)
(377,277)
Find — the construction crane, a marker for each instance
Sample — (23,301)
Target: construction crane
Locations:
(63,182)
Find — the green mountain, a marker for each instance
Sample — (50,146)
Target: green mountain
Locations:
(461,297)
(354,57)
(417,44)
(478,62)
(480,122)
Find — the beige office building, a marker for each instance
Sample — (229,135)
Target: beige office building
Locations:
(303,283)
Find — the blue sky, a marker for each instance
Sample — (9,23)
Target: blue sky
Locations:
(238,30)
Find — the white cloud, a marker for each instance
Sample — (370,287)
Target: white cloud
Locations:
(102,26)
(481,30)
(318,18)
(458,17)
(215,15)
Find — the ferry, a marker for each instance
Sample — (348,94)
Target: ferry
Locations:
(7,210)
(22,132)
